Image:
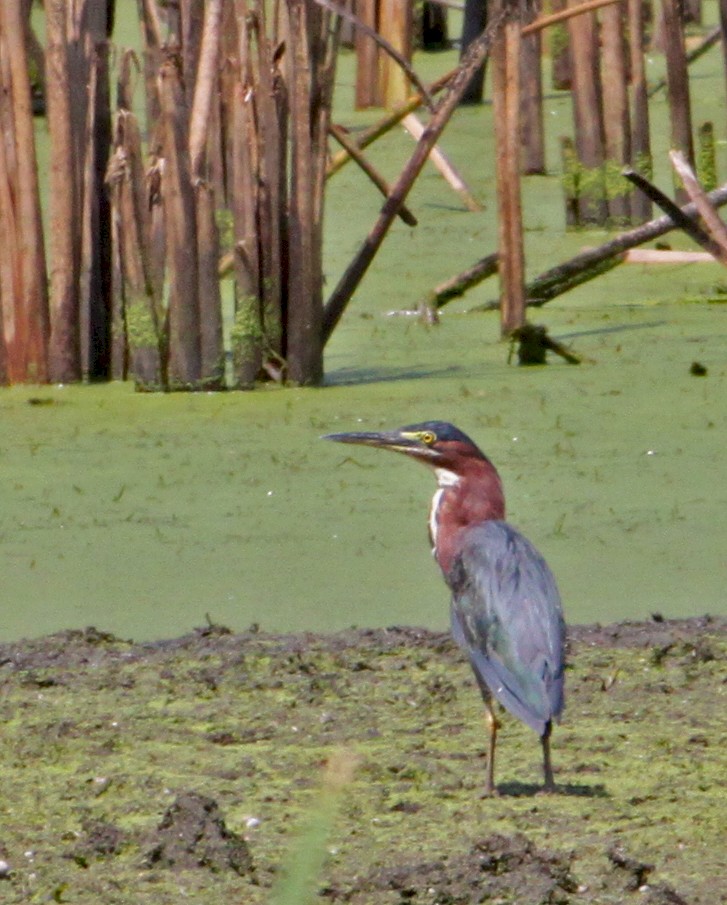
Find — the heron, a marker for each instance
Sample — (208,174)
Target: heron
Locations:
(506,612)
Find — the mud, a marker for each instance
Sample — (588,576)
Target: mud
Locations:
(143,772)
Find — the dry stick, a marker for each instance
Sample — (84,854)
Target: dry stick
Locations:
(355,271)
(562,15)
(153,40)
(415,127)
(715,225)
(134,295)
(378,180)
(152,20)
(204,88)
(686,223)
(591,263)
(247,344)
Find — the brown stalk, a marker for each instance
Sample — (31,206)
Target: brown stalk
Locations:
(29,363)
(64,231)
(181,231)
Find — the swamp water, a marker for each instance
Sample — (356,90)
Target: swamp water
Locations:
(143,514)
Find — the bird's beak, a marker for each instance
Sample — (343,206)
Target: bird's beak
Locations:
(398,441)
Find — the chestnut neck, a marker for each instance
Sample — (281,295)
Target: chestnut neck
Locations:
(466,498)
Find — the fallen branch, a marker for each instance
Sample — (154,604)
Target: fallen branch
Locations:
(476,54)
(378,180)
(563,14)
(595,261)
(456,286)
(686,222)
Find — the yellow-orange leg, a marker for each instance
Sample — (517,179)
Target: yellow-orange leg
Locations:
(493,725)
(549,784)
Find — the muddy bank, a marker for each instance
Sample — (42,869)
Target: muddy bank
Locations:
(187,767)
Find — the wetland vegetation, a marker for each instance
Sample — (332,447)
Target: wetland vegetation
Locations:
(143,513)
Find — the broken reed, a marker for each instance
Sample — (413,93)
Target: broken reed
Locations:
(238,96)
(242,129)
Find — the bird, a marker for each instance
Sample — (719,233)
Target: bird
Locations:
(506,611)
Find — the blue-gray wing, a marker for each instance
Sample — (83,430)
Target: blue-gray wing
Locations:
(507,616)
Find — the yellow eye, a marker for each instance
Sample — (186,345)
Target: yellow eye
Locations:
(428,437)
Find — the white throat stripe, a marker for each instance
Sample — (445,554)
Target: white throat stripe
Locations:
(445,477)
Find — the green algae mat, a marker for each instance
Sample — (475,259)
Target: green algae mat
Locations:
(141,514)
(195,770)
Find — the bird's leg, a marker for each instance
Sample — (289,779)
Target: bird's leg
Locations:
(549,784)
(493,725)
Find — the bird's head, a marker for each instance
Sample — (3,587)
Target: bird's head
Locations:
(438,444)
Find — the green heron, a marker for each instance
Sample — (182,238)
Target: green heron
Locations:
(506,610)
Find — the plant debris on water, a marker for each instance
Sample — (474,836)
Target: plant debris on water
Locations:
(195,768)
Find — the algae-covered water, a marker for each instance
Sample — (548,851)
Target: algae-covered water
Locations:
(144,513)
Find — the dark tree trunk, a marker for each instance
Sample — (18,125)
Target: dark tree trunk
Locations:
(473,24)
(96,348)
(435,35)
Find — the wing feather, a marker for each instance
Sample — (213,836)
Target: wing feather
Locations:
(507,616)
